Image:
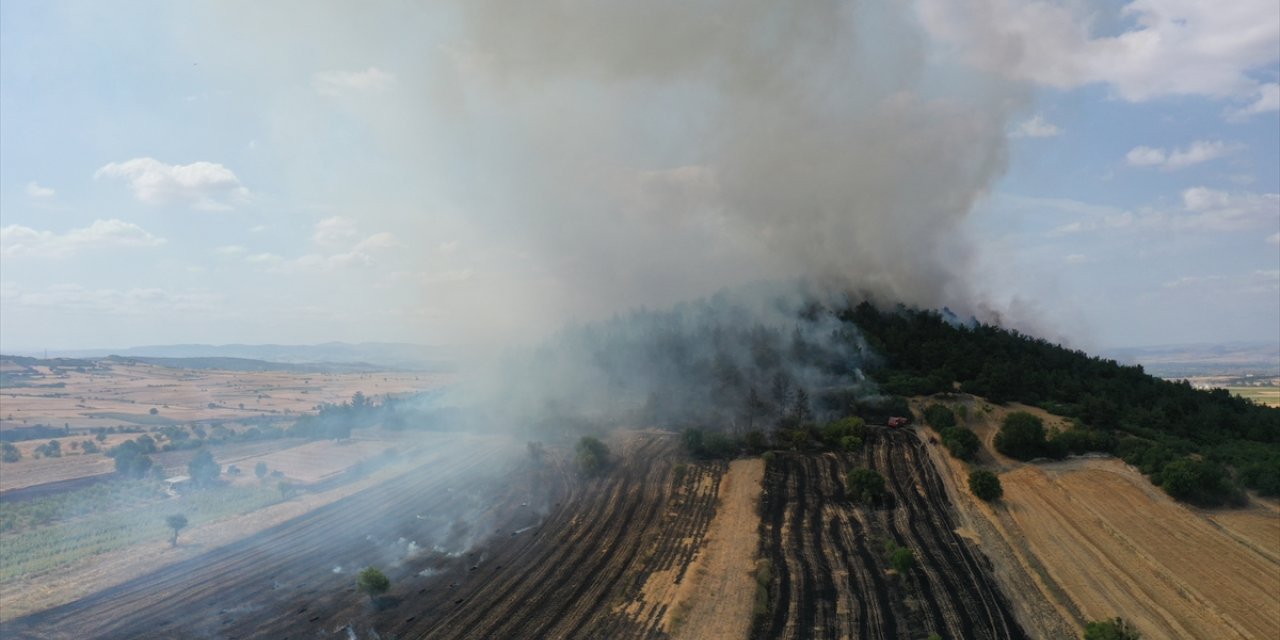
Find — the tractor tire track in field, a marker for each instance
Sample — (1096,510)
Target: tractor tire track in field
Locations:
(831,570)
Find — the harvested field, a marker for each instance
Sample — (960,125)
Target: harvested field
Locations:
(118,393)
(1117,546)
(556,556)
(718,600)
(1091,538)
(254,587)
(829,559)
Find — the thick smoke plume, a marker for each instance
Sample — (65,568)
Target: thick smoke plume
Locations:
(668,149)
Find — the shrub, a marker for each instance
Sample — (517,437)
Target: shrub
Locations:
(177,522)
(985,485)
(1021,436)
(961,442)
(592,455)
(203,470)
(11,453)
(1114,629)
(865,485)
(939,417)
(372,582)
(834,433)
(1199,482)
(902,559)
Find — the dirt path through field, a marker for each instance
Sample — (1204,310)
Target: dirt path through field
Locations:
(719,598)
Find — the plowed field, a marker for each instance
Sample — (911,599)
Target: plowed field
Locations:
(542,553)
(832,577)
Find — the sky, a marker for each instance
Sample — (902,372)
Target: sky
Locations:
(1103,174)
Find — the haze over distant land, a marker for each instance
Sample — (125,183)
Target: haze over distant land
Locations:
(398,355)
(476,172)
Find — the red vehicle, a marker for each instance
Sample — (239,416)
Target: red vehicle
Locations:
(896,422)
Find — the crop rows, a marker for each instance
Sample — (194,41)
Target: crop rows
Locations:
(832,577)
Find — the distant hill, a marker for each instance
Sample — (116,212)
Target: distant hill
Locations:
(370,355)
(1185,360)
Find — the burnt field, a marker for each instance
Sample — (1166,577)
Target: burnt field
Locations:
(831,568)
(540,553)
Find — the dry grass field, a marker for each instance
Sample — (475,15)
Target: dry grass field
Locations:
(1097,540)
(118,394)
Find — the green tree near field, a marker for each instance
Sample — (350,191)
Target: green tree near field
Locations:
(260,470)
(131,459)
(592,455)
(51,449)
(985,485)
(203,470)
(177,522)
(1200,482)
(864,485)
(1021,436)
(372,582)
(1114,629)
(10,453)
(939,417)
(902,559)
(961,442)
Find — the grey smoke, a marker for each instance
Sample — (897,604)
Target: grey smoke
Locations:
(667,149)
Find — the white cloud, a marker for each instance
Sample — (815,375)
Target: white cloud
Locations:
(1174,47)
(1146,156)
(1274,239)
(1202,209)
(37,192)
(202,185)
(334,237)
(1260,281)
(1213,210)
(334,230)
(1076,258)
(452,276)
(1036,127)
(231,250)
(1268,100)
(334,83)
(17,240)
(1198,152)
(136,301)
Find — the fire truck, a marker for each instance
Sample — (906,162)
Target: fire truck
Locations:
(897,422)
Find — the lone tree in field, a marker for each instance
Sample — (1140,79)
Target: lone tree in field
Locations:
(1114,629)
(985,485)
(177,522)
(372,582)
(260,470)
(902,559)
(203,470)
(11,453)
(865,485)
(592,455)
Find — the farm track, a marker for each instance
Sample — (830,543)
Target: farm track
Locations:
(830,565)
(565,557)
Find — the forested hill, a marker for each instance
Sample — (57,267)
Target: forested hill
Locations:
(1163,427)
